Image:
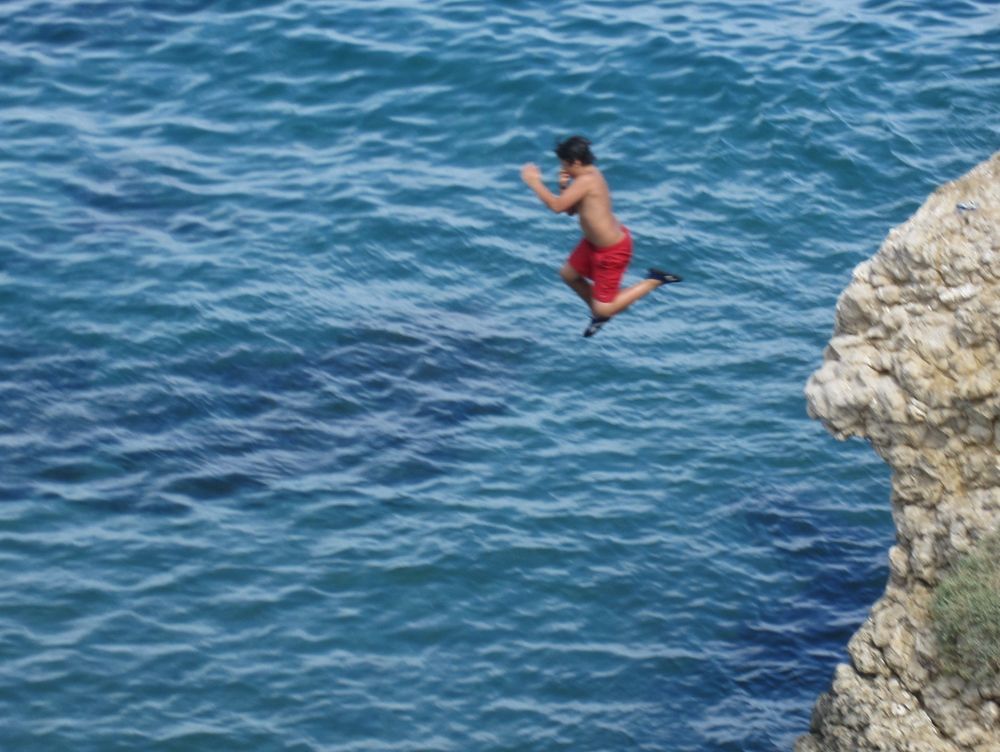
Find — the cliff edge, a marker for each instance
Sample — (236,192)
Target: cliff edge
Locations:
(914,367)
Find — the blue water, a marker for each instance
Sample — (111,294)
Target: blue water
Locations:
(301,447)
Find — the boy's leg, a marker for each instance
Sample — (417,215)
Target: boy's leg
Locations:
(624,299)
(576,281)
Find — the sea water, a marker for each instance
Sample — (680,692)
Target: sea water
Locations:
(301,447)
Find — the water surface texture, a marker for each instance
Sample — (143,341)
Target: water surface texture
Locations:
(301,446)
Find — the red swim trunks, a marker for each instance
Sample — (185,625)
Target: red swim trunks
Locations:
(605,266)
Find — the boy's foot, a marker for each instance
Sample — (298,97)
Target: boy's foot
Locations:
(661,276)
(595,325)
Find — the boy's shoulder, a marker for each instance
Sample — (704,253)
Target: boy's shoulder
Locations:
(594,176)
(596,179)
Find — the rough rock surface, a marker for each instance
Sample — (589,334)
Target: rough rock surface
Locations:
(914,367)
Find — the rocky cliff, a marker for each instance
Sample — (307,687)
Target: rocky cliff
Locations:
(914,367)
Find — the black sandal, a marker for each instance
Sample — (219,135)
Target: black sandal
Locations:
(596,323)
(661,276)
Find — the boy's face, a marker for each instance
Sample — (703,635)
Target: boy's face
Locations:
(570,168)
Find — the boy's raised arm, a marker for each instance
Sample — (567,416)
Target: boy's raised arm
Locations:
(564,202)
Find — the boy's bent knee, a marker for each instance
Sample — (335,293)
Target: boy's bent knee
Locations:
(569,274)
(603,310)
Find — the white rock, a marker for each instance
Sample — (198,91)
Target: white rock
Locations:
(914,366)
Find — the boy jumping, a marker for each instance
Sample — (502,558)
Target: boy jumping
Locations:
(606,247)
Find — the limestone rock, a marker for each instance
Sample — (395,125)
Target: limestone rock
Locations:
(914,367)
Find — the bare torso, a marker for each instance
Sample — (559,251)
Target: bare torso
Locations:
(597,220)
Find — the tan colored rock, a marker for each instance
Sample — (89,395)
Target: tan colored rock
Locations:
(914,367)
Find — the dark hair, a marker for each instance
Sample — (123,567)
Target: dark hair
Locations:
(575,149)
